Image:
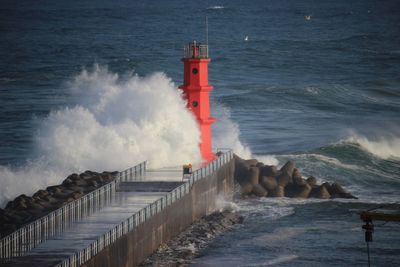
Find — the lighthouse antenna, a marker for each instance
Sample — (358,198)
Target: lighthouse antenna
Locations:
(207,34)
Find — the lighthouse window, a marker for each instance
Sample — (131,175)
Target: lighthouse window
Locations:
(195,71)
(195,103)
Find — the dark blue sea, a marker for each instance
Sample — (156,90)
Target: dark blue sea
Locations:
(93,85)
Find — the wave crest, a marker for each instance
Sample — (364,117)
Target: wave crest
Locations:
(382,147)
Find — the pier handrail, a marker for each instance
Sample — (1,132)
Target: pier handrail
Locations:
(145,213)
(34,233)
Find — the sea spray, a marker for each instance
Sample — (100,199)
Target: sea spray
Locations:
(226,133)
(118,122)
(114,123)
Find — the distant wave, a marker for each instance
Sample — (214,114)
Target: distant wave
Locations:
(215,7)
(329,160)
(281,259)
(8,80)
(382,147)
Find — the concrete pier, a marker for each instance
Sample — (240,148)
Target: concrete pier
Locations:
(136,246)
(141,215)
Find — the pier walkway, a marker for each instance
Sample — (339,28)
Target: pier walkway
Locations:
(137,195)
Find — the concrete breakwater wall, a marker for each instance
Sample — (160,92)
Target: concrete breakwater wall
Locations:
(135,246)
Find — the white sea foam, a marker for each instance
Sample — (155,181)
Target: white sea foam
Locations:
(280,235)
(281,259)
(332,161)
(268,208)
(267,159)
(116,122)
(226,133)
(119,122)
(277,260)
(216,7)
(225,205)
(383,147)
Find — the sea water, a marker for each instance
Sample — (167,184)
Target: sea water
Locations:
(93,85)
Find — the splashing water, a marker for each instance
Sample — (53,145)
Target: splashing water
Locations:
(384,148)
(226,133)
(115,123)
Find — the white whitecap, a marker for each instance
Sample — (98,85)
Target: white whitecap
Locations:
(383,147)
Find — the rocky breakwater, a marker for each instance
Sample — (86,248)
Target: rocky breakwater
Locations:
(261,180)
(25,209)
(181,250)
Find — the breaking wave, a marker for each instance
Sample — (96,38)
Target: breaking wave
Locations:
(114,123)
(385,148)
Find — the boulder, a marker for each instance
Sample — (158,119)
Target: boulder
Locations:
(259,164)
(54,189)
(328,187)
(337,189)
(79,182)
(77,195)
(312,181)
(279,191)
(91,173)
(296,174)
(241,170)
(251,162)
(339,192)
(9,205)
(67,190)
(46,205)
(268,182)
(259,191)
(298,180)
(267,170)
(93,183)
(284,179)
(61,195)
(302,191)
(35,206)
(20,205)
(320,192)
(41,193)
(246,189)
(74,177)
(25,215)
(107,177)
(50,199)
(254,174)
(14,218)
(66,182)
(22,197)
(288,167)
(75,188)
(89,188)
(68,200)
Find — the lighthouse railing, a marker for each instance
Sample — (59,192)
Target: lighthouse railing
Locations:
(194,50)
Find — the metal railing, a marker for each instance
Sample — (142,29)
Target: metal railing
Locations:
(34,233)
(144,214)
(195,50)
(134,173)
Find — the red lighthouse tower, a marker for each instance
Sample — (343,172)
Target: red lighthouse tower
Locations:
(196,90)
